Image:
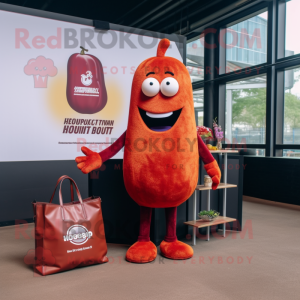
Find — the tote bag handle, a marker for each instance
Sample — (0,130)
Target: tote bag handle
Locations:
(60,180)
(71,189)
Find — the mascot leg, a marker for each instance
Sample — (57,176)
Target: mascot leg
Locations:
(143,250)
(170,247)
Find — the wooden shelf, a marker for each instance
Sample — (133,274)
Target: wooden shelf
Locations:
(221,186)
(217,221)
(224,151)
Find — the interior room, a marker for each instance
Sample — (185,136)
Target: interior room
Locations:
(150,149)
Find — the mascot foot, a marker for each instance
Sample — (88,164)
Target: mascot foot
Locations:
(141,252)
(176,250)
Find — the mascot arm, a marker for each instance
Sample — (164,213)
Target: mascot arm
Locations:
(94,160)
(210,164)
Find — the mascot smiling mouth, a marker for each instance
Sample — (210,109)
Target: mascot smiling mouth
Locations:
(160,122)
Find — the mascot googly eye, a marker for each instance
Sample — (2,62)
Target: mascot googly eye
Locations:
(150,87)
(169,87)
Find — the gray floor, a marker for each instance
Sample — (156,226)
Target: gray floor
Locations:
(265,266)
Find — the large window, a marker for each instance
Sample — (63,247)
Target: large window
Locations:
(246,43)
(292,25)
(195,59)
(292,107)
(245,116)
(253,84)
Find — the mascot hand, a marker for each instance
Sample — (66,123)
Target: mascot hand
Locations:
(214,172)
(90,162)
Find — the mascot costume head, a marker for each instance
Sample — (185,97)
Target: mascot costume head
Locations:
(162,148)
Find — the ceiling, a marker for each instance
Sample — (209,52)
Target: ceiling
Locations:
(166,16)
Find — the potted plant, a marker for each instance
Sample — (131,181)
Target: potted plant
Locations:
(205,133)
(208,215)
(218,134)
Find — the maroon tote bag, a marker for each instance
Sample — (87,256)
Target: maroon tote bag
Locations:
(68,235)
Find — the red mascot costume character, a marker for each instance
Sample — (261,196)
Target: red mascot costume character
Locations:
(161,134)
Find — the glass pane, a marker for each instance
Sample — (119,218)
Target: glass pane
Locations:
(255,152)
(198,98)
(260,152)
(198,104)
(245,112)
(246,43)
(195,59)
(200,118)
(248,151)
(291,153)
(292,42)
(291,133)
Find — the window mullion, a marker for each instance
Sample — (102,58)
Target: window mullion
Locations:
(270,103)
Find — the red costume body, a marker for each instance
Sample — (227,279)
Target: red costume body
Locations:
(162,151)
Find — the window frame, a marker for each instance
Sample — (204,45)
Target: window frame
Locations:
(280,31)
(190,41)
(234,20)
(280,99)
(214,84)
(222,101)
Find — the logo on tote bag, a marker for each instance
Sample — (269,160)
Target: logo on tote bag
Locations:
(77,235)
